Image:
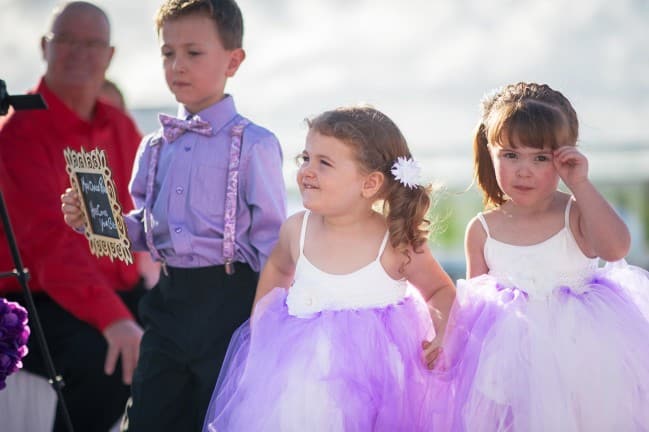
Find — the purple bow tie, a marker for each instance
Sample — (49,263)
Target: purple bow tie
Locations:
(173,127)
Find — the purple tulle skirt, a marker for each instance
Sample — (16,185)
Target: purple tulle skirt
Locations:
(348,370)
(574,360)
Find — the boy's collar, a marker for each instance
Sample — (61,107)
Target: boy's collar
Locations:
(217,114)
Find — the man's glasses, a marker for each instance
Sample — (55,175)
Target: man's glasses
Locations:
(67,41)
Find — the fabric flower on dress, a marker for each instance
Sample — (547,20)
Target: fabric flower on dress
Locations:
(407,171)
(14,333)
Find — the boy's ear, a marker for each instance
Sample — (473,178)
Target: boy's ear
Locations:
(44,48)
(237,56)
(372,184)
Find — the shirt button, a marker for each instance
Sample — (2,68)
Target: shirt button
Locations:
(178,229)
(179,190)
(187,148)
(309,302)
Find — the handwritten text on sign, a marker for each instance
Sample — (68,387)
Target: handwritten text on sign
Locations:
(97,204)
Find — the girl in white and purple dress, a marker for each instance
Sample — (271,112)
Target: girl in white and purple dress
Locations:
(541,338)
(335,340)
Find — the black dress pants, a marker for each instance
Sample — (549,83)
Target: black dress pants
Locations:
(189,318)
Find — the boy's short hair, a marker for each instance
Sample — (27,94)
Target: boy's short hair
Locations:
(225,13)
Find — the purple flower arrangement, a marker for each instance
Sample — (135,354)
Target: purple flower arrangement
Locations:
(14,333)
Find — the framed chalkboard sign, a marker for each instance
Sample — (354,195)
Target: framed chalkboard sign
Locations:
(91,178)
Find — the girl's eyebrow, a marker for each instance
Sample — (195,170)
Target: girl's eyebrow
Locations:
(317,155)
(517,150)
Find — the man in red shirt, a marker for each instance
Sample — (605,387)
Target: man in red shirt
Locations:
(86,304)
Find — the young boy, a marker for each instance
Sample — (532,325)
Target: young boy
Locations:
(207,209)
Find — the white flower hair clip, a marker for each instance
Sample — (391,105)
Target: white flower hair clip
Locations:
(407,171)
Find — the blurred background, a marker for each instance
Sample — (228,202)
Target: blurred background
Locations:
(425,63)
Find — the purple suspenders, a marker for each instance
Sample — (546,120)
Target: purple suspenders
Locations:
(231,195)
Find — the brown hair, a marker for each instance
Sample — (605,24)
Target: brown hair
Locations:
(225,13)
(534,113)
(377,143)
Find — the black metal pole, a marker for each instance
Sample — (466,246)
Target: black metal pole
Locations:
(23,275)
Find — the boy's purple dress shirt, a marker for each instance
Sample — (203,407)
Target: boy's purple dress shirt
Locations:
(189,193)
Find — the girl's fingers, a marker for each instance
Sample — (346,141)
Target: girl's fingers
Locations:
(432,358)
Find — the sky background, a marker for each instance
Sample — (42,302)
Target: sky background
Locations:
(425,63)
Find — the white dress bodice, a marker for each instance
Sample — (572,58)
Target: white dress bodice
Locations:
(539,268)
(315,290)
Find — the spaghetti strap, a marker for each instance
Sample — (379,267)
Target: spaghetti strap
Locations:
(566,216)
(484,223)
(305,218)
(383,244)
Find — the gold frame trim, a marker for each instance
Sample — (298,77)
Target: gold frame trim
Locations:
(94,162)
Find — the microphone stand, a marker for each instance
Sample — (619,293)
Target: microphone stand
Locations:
(22,275)
(20,272)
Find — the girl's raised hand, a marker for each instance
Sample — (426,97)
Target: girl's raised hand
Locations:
(71,208)
(571,165)
(432,352)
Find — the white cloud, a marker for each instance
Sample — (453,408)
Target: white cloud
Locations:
(425,62)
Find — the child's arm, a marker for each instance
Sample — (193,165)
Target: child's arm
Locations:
(474,241)
(137,187)
(437,288)
(600,228)
(71,204)
(264,191)
(280,266)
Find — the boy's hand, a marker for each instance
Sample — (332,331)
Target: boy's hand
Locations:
(432,352)
(71,208)
(123,339)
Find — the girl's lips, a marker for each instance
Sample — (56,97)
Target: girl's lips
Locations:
(523,188)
